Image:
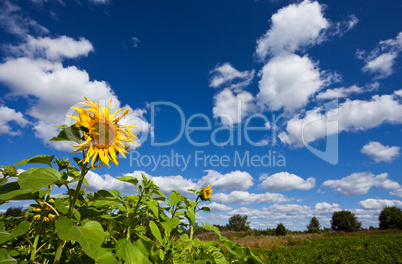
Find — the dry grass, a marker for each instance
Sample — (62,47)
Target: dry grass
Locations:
(275,242)
(261,242)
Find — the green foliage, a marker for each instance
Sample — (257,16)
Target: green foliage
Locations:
(105,226)
(68,133)
(40,159)
(390,218)
(238,223)
(5,258)
(345,221)
(89,235)
(19,230)
(314,226)
(280,230)
(37,178)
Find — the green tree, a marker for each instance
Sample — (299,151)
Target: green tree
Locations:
(390,218)
(314,225)
(238,223)
(280,230)
(345,221)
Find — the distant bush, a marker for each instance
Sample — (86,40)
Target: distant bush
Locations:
(280,230)
(238,223)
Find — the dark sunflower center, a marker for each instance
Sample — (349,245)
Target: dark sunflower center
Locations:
(103,135)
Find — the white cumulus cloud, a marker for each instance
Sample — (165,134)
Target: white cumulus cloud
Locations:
(8,115)
(52,48)
(284,181)
(242,197)
(352,115)
(360,183)
(343,92)
(381,59)
(232,181)
(276,212)
(14,22)
(217,207)
(326,208)
(293,27)
(231,107)
(381,64)
(288,81)
(379,152)
(378,204)
(397,192)
(227,76)
(107,182)
(168,183)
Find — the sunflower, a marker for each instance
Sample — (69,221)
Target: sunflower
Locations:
(43,208)
(104,138)
(46,218)
(207,192)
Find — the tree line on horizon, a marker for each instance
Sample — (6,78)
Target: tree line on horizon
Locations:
(342,221)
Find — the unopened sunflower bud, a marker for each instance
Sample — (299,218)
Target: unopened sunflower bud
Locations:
(9,171)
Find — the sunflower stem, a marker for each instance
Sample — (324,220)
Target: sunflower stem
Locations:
(33,251)
(191,232)
(70,214)
(84,171)
(35,244)
(59,251)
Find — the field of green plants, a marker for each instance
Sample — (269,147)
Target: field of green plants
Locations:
(367,247)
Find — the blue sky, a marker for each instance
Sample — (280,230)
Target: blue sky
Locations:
(320,80)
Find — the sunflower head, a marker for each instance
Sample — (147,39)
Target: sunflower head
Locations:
(44,209)
(104,138)
(206,193)
(45,218)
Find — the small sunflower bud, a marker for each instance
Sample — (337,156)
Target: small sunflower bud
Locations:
(63,164)
(10,171)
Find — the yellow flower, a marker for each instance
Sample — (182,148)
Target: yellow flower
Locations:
(44,208)
(207,192)
(46,218)
(104,138)
(51,215)
(42,204)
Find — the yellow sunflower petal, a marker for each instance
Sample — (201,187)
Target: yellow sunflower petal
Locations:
(121,116)
(51,216)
